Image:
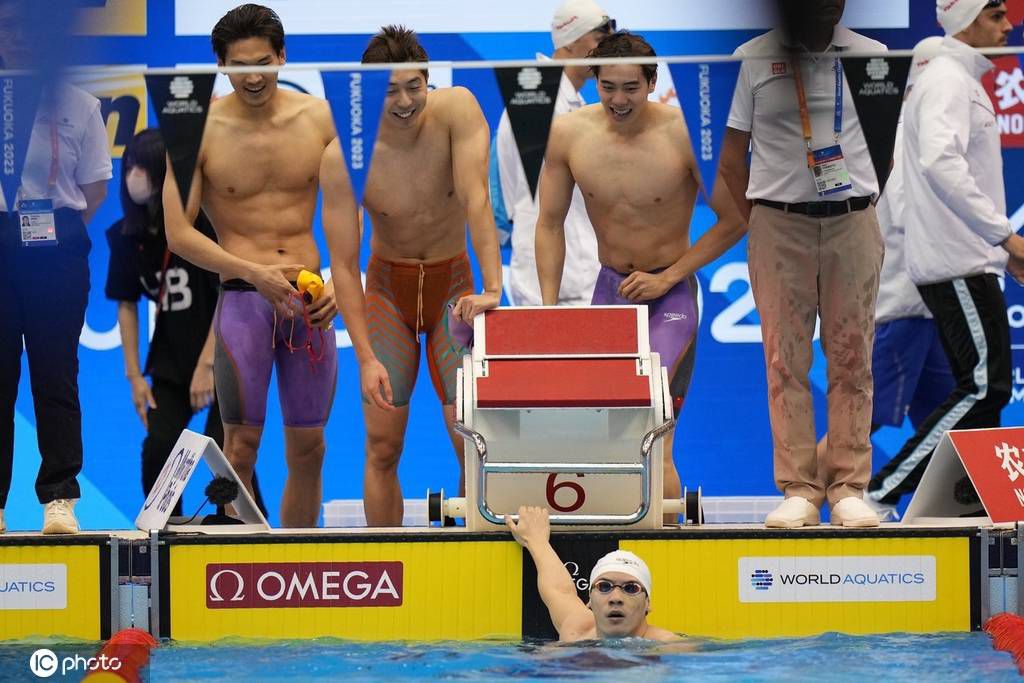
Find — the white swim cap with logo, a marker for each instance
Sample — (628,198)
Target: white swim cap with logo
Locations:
(956,15)
(574,19)
(623,562)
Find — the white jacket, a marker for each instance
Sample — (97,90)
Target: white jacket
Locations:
(581,265)
(897,296)
(955,207)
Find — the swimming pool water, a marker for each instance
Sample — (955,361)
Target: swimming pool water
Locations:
(830,657)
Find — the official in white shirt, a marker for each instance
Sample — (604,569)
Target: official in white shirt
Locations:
(576,29)
(814,249)
(909,366)
(44,287)
(958,239)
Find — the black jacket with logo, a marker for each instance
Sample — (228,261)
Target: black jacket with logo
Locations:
(136,266)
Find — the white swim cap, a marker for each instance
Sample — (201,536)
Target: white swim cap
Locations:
(624,562)
(574,19)
(956,15)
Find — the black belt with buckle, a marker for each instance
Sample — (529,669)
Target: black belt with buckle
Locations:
(820,209)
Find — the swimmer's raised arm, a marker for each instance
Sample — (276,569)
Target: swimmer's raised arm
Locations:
(342,230)
(568,613)
(556,186)
(192,245)
(470,149)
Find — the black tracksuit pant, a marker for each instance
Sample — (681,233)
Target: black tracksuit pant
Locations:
(975,333)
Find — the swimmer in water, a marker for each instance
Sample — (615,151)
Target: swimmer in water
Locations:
(620,588)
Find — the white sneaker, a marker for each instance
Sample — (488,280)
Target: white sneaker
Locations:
(886,513)
(59,517)
(853,512)
(793,513)
(3,524)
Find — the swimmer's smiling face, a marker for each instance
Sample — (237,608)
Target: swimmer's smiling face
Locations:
(616,614)
(254,89)
(624,90)
(406,98)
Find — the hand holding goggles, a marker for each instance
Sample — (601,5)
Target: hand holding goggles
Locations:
(310,285)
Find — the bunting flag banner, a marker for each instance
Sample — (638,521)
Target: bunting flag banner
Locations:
(877,85)
(182,103)
(705,93)
(530,94)
(19,96)
(357,101)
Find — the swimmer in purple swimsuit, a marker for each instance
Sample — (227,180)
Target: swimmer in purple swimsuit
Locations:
(634,164)
(264,154)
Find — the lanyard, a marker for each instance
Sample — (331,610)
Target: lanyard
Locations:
(805,115)
(54,153)
(51,179)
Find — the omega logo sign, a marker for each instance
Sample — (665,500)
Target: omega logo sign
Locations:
(304,584)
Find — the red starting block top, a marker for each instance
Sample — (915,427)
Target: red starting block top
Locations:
(561,332)
(563,383)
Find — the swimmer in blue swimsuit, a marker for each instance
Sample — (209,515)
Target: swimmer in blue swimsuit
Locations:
(634,164)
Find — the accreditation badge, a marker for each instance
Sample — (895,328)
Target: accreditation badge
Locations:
(829,171)
(37,222)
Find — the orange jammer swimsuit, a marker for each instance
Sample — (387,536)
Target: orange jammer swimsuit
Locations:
(405,300)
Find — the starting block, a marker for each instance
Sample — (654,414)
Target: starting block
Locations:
(563,408)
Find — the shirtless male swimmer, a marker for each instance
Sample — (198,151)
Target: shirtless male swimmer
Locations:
(634,164)
(620,588)
(257,179)
(428,180)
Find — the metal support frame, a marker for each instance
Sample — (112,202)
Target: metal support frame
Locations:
(643,468)
(115,581)
(154,583)
(984,575)
(1020,568)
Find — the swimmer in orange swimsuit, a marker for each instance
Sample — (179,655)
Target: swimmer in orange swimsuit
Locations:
(428,180)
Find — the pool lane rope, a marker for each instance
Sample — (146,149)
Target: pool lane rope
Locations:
(131,647)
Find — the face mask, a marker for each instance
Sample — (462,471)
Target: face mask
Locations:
(139,188)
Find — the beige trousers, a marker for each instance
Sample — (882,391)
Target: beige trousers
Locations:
(800,268)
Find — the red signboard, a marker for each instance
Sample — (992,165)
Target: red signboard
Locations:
(1015,12)
(1005,86)
(304,584)
(994,459)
